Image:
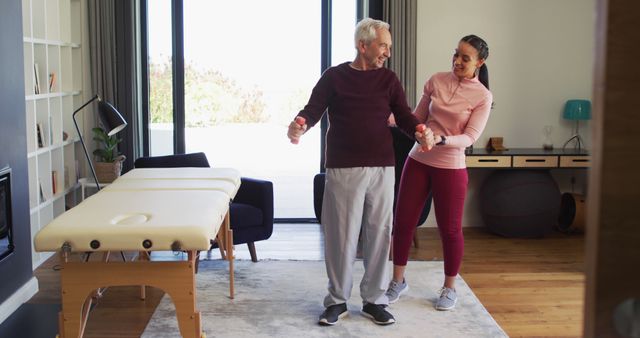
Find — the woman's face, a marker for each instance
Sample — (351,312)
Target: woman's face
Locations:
(466,61)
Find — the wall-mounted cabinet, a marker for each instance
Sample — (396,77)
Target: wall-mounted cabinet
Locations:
(53,72)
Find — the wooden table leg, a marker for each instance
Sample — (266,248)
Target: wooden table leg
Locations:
(229,246)
(176,278)
(221,240)
(231,272)
(143,256)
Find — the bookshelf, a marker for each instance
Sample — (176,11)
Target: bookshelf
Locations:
(54,84)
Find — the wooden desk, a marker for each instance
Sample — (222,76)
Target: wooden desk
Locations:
(521,198)
(529,158)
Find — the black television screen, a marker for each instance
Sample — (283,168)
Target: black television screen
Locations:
(6,241)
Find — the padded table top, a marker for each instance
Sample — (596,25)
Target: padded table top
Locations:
(147,206)
(222,185)
(228,174)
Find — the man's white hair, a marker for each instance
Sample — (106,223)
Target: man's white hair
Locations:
(366,30)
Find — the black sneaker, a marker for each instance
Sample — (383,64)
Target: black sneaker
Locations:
(331,314)
(378,314)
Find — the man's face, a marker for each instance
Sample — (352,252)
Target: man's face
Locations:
(378,50)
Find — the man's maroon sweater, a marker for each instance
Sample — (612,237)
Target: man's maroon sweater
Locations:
(359,103)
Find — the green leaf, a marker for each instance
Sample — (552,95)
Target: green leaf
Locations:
(107,149)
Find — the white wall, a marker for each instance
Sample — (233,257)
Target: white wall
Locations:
(541,54)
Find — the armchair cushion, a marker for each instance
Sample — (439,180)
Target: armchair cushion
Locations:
(245,216)
(252,211)
(318,193)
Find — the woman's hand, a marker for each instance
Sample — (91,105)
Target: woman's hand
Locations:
(425,137)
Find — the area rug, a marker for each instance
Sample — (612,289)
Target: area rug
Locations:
(284,299)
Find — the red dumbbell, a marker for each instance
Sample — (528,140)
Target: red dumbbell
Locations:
(300,121)
(421,128)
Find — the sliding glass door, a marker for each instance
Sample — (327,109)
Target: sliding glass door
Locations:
(160,78)
(246,75)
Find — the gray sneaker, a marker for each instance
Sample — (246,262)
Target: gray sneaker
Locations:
(332,313)
(396,289)
(378,314)
(447,300)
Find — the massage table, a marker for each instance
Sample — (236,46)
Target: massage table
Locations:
(164,209)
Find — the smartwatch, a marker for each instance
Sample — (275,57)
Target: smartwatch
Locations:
(443,140)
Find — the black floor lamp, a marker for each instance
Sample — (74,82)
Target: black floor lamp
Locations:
(112,121)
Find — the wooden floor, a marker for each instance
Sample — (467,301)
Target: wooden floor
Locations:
(532,287)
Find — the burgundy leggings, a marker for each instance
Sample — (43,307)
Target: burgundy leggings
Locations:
(449,188)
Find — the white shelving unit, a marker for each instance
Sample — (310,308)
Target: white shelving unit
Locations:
(52,44)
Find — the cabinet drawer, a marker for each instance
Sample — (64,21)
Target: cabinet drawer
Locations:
(535,161)
(575,161)
(488,161)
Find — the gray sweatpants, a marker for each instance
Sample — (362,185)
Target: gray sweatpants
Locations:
(356,199)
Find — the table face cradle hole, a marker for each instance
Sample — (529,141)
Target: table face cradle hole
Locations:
(130,219)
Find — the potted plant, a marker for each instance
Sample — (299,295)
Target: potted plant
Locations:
(109,164)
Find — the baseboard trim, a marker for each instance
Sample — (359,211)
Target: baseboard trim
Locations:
(28,290)
(43,258)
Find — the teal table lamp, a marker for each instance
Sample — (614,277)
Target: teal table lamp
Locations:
(577,110)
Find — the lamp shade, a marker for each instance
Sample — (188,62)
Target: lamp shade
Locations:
(111,119)
(577,110)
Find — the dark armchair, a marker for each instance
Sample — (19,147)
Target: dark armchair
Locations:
(198,160)
(252,213)
(251,210)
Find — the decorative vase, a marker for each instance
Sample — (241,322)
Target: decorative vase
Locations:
(107,172)
(547,143)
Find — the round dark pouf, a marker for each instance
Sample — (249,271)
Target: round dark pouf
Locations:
(520,203)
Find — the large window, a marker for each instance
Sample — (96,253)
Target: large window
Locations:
(246,75)
(160,78)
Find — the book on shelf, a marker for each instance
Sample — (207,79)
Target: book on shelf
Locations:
(50,129)
(45,192)
(41,192)
(54,182)
(41,139)
(67,179)
(52,81)
(77,167)
(36,79)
